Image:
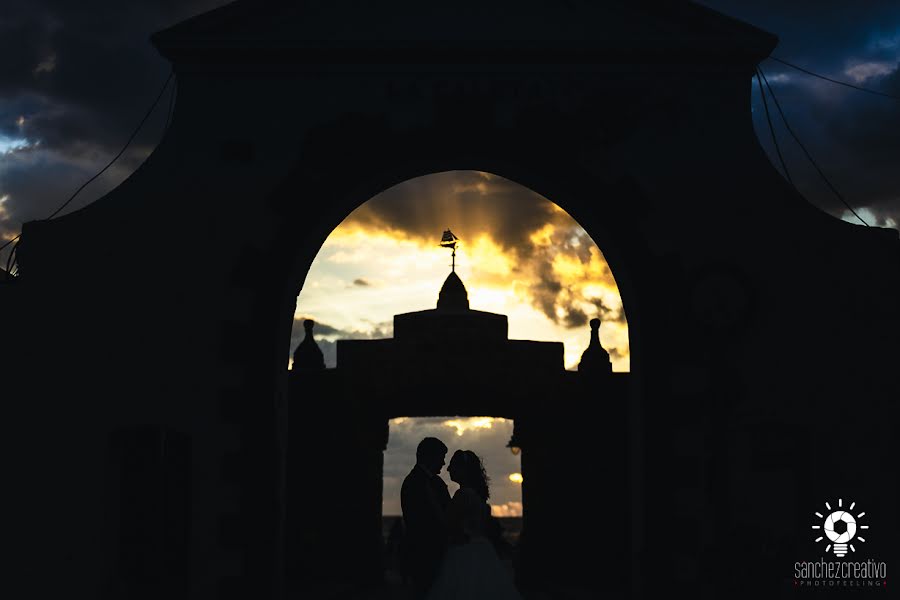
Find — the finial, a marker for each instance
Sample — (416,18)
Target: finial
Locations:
(595,359)
(453,295)
(308,356)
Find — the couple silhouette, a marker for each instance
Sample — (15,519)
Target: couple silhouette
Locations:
(449,544)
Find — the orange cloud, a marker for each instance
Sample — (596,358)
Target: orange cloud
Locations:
(471,424)
(507,509)
(518,250)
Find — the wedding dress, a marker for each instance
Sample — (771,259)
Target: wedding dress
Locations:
(471,569)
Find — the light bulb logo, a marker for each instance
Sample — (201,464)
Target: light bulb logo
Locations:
(840,527)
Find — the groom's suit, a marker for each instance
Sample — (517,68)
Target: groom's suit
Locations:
(424,499)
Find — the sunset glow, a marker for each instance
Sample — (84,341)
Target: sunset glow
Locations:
(520,255)
(463,425)
(486,436)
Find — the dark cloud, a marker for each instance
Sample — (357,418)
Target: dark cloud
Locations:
(550,293)
(546,290)
(35,196)
(605,313)
(851,134)
(319,329)
(575,317)
(104,72)
(326,336)
(80,75)
(823,32)
(474,204)
(422,208)
(615,353)
(871,133)
(360,282)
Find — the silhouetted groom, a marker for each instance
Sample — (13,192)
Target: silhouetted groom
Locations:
(424,499)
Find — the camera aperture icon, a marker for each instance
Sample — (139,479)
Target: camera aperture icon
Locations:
(840,527)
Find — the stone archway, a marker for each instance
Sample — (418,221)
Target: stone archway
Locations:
(618,118)
(617,191)
(399,386)
(297,229)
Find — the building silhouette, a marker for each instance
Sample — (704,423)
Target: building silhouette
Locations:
(146,335)
(450,360)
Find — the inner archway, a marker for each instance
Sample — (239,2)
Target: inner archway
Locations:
(491,439)
(530,272)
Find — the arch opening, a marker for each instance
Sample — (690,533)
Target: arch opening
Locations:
(492,439)
(521,255)
(531,281)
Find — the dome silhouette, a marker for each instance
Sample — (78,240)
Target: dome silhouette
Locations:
(453,294)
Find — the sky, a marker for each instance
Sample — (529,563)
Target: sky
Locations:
(519,255)
(851,134)
(76,78)
(485,436)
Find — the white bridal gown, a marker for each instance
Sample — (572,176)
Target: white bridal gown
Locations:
(472,571)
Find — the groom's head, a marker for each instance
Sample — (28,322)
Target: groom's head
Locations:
(430,454)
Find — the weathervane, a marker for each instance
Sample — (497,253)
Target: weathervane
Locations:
(448,240)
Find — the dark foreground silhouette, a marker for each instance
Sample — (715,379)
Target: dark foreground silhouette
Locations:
(451,552)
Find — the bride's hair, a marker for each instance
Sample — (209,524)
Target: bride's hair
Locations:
(475,475)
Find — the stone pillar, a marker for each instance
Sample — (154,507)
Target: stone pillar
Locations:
(334,482)
(149,473)
(575,490)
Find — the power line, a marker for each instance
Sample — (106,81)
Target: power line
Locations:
(805,151)
(844,83)
(171,106)
(115,158)
(8,242)
(122,151)
(762,93)
(11,259)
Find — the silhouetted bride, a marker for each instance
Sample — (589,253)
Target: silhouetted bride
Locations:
(471,569)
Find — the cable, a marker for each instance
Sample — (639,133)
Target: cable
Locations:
(109,164)
(11,260)
(844,83)
(762,93)
(171,106)
(805,151)
(8,242)
(122,151)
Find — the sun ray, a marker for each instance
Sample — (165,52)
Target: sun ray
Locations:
(860,515)
(828,506)
(820,515)
(852,504)
(500,276)
(861,539)
(819,539)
